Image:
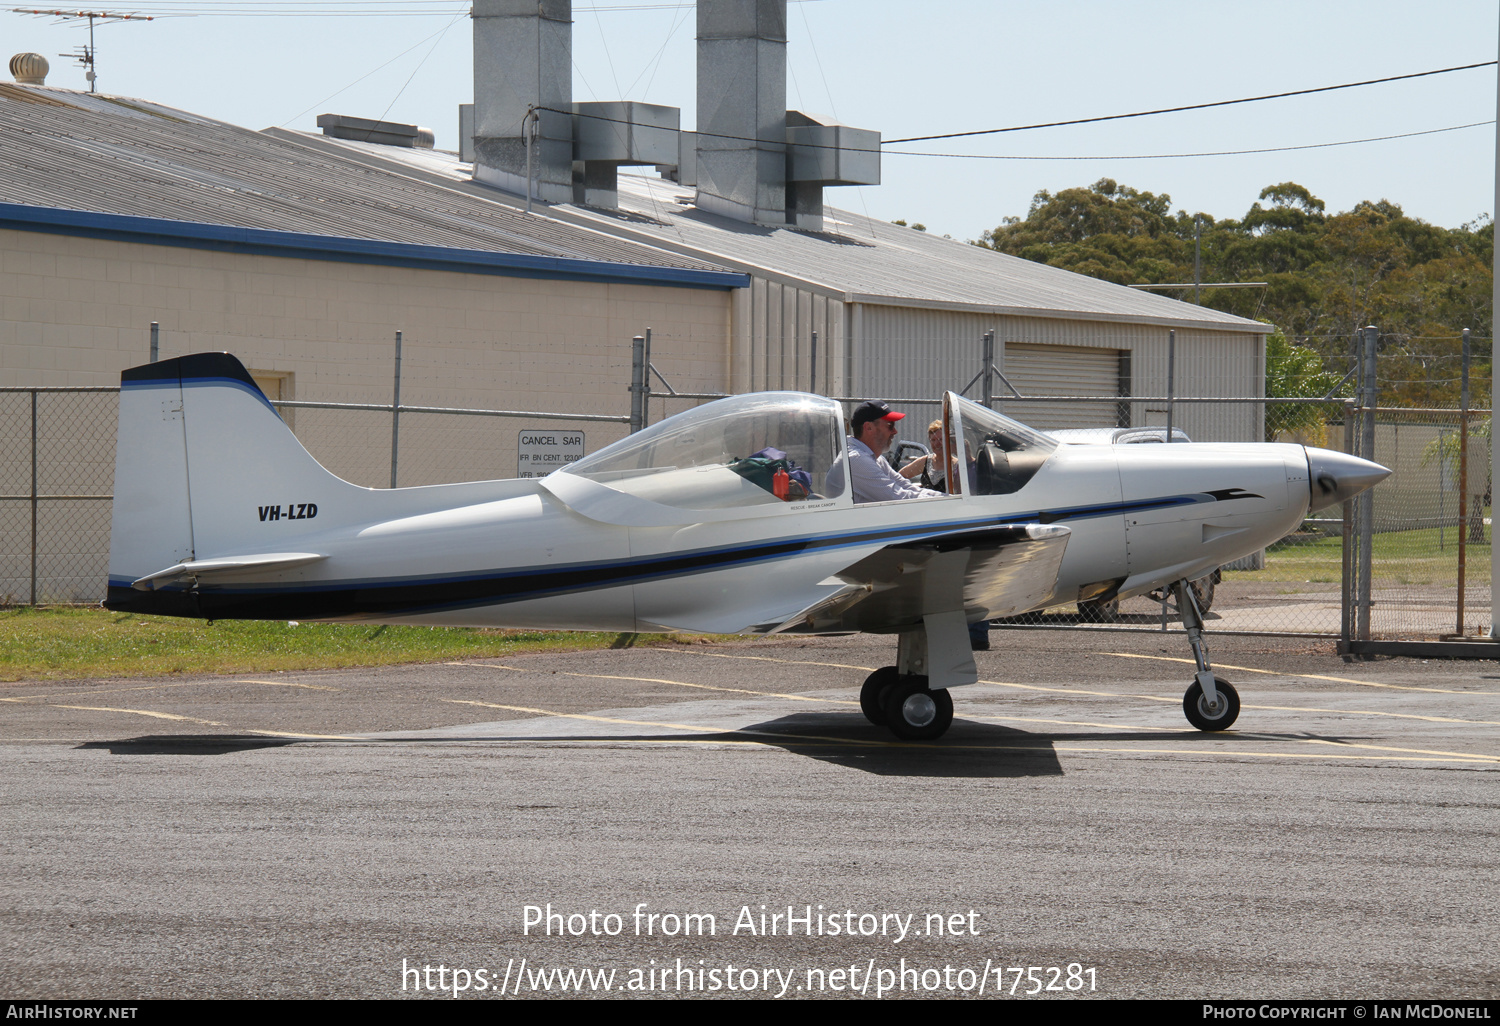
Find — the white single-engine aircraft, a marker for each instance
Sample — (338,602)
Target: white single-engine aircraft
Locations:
(735,517)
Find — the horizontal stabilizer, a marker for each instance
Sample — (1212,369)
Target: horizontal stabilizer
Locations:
(224,565)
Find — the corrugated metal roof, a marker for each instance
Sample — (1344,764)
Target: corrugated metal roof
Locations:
(856,258)
(82,151)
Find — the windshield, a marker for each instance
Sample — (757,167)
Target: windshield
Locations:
(1002,454)
(759,449)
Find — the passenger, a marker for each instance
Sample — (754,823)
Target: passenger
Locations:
(929,469)
(871,477)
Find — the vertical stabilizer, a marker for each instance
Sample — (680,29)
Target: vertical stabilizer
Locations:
(205,468)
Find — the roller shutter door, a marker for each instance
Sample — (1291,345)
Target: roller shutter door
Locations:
(1062,370)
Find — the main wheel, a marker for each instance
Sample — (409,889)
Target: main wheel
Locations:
(872,694)
(916,714)
(1216,717)
(1107,611)
(1203,592)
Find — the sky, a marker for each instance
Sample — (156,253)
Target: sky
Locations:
(907,68)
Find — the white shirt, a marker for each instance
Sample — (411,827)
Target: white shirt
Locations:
(873,480)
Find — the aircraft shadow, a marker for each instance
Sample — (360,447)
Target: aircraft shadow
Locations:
(968,750)
(187,744)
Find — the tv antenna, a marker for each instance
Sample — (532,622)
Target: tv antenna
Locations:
(85,55)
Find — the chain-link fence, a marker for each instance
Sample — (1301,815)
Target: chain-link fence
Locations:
(57,468)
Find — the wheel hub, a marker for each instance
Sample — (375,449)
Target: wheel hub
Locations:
(919,710)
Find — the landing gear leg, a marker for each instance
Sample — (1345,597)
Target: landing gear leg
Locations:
(1211,703)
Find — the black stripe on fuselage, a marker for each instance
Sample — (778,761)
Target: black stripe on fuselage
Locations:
(363,599)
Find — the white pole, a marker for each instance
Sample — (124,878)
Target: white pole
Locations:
(1494,435)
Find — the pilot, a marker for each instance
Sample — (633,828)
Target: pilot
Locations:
(871,477)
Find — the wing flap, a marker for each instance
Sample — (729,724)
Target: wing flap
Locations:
(986,573)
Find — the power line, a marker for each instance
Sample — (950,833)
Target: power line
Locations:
(992,156)
(1194,106)
(366,8)
(1172,156)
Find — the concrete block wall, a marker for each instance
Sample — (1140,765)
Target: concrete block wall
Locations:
(77,311)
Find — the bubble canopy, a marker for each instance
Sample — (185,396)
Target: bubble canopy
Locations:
(765,448)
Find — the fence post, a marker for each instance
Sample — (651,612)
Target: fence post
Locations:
(987,353)
(638,383)
(1171,382)
(155,341)
(646,384)
(396,412)
(1463,480)
(33,496)
(1346,548)
(1371,336)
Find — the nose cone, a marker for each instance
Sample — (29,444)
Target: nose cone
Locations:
(1336,476)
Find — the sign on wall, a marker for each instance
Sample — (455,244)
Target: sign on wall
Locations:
(540,451)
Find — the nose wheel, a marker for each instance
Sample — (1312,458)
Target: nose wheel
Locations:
(1211,703)
(1212,714)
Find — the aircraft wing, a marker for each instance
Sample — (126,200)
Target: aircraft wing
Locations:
(990,572)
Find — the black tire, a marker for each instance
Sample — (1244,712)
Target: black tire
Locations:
(872,694)
(1203,592)
(1200,716)
(914,713)
(1107,611)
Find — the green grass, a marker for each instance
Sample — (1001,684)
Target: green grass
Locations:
(1397,557)
(65,642)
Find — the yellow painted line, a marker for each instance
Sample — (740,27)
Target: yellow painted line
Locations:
(1260,736)
(765,659)
(139,712)
(1080,691)
(661,680)
(1308,676)
(700,729)
(313,737)
(584,716)
(159,687)
(289,684)
(1373,712)
(1068,723)
(1378,748)
(1462,760)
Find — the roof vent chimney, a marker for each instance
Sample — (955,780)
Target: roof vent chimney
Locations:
(756,160)
(523,60)
(29,68)
(742,109)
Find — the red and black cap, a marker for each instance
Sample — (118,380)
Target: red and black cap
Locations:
(874,409)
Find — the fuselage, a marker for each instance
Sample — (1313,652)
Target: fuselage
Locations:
(512,553)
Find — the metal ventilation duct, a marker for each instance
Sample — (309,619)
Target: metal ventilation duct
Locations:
(387,133)
(614,134)
(523,59)
(820,152)
(758,161)
(742,109)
